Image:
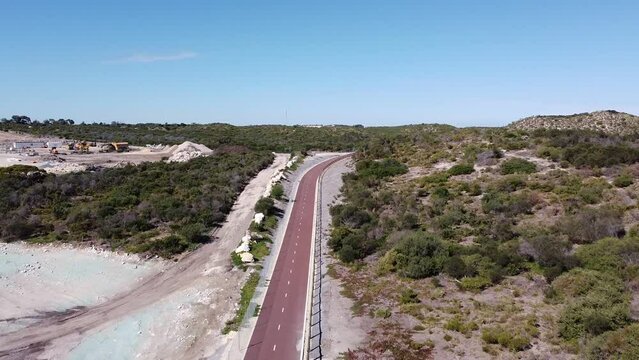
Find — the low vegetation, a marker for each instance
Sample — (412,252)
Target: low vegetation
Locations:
(156,208)
(542,208)
(247,292)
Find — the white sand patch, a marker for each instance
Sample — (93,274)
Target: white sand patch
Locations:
(39,279)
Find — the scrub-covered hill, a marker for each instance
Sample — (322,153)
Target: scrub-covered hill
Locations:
(608,121)
(492,243)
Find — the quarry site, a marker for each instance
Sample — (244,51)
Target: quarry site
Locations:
(65,157)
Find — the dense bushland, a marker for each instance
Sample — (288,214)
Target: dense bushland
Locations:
(160,208)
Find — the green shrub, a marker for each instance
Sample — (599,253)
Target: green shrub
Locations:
(608,255)
(260,250)
(475,189)
(623,180)
(551,252)
(508,204)
(591,192)
(387,263)
(409,296)
(168,246)
(474,283)
(620,344)
(594,155)
(550,152)
(420,255)
(270,222)
(517,166)
(236,259)
(458,325)
(506,338)
(596,303)
(265,206)
(277,192)
(383,313)
(461,169)
(194,233)
(436,178)
(380,169)
(455,267)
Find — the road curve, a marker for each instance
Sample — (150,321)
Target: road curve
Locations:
(280,324)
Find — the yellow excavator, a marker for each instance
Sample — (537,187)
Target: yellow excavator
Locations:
(80,147)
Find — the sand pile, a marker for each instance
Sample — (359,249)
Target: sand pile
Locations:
(56,167)
(187,151)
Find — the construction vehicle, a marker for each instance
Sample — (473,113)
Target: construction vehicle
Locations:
(115,146)
(79,147)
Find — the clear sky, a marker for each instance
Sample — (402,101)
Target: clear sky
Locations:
(465,63)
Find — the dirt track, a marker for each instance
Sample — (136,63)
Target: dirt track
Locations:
(210,264)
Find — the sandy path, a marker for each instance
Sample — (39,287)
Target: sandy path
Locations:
(211,262)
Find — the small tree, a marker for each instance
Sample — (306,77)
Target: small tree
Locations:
(265,206)
(277,191)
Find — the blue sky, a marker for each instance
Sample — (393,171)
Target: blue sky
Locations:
(367,62)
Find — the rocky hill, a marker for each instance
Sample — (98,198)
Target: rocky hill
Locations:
(608,121)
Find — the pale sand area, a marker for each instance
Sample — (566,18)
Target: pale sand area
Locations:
(39,280)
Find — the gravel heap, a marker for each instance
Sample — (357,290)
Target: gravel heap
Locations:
(187,151)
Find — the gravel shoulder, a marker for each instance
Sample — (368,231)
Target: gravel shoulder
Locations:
(341,330)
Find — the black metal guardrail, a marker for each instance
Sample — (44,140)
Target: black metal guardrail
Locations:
(315,326)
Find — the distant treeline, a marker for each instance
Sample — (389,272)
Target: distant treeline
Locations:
(278,138)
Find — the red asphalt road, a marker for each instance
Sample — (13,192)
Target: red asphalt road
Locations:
(280,324)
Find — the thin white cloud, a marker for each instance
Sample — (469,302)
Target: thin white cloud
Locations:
(150,58)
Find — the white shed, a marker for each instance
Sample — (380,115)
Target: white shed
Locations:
(55,144)
(19,145)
